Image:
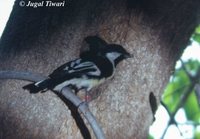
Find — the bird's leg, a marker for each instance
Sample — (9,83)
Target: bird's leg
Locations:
(88,97)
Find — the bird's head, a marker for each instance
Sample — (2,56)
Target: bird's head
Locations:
(116,53)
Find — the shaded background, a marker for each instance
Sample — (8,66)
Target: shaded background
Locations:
(41,39)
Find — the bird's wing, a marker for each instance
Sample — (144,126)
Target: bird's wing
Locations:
(76,68)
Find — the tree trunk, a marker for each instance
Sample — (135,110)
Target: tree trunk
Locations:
(40,39)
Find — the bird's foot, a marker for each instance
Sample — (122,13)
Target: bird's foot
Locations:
(84,96)
(88,98)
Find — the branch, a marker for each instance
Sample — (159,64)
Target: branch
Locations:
(20,75)
(66,92)
(83,107)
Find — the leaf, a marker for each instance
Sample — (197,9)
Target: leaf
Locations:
(150,137)
(192,66)
(174,89)
(196,37)
(191,108)
(197,30)
(197,134)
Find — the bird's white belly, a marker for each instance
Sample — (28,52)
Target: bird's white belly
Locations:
(80,83)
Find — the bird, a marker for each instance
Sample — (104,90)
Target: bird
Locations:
(85,72)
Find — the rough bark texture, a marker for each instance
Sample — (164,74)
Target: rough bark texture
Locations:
(41,39)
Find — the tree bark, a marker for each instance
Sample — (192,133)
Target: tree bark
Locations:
(40,39)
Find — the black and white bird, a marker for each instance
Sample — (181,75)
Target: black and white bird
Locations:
(86,72)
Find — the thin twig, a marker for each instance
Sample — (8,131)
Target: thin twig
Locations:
(66,92)
(186,71)
(173,121)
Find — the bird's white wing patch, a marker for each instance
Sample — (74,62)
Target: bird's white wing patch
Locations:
(89,68)
(95,72)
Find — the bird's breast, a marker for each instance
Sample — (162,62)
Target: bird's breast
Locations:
(80,83)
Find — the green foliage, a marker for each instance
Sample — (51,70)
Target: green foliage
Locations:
(150,137)
(191,108)
(180,93)
(177,88)
(174,89)
(196,35)
(197,134)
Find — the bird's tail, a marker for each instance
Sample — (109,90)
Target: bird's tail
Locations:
(38,86)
